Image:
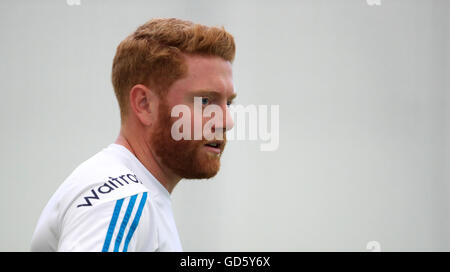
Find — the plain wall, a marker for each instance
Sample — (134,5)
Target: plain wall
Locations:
(363,93)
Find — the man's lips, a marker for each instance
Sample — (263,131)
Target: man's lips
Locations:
(215,146)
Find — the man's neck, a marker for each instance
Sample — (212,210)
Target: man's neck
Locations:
(141,150)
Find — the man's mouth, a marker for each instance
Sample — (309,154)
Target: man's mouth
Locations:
(215,146)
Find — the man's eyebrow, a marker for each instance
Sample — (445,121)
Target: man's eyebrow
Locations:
(212,93)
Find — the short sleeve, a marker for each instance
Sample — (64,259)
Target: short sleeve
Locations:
(119,225)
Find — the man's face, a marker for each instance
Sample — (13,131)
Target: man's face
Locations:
(209,80)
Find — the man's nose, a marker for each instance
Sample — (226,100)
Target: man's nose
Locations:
(227,120)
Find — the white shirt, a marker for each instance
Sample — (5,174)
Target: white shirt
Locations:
(111,202)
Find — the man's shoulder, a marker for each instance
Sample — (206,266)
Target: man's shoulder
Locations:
(99,179)
(97,166)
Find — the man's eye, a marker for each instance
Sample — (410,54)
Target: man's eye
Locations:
(205,100)
(229,103)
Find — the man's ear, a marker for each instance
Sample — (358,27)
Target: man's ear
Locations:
(143,104)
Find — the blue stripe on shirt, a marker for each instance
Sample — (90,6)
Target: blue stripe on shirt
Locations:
(124,223)
(112,225)
(135,221)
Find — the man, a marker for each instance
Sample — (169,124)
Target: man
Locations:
(119,199)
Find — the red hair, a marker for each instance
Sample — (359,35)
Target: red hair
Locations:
(152,55)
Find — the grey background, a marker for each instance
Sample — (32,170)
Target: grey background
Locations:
(364,95)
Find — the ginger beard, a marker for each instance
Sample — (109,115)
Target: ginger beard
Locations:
(186,158)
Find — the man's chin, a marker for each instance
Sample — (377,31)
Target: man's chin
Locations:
(204,165)
(203,169)
(203,175)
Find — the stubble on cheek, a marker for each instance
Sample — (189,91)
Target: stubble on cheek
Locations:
(186,158)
